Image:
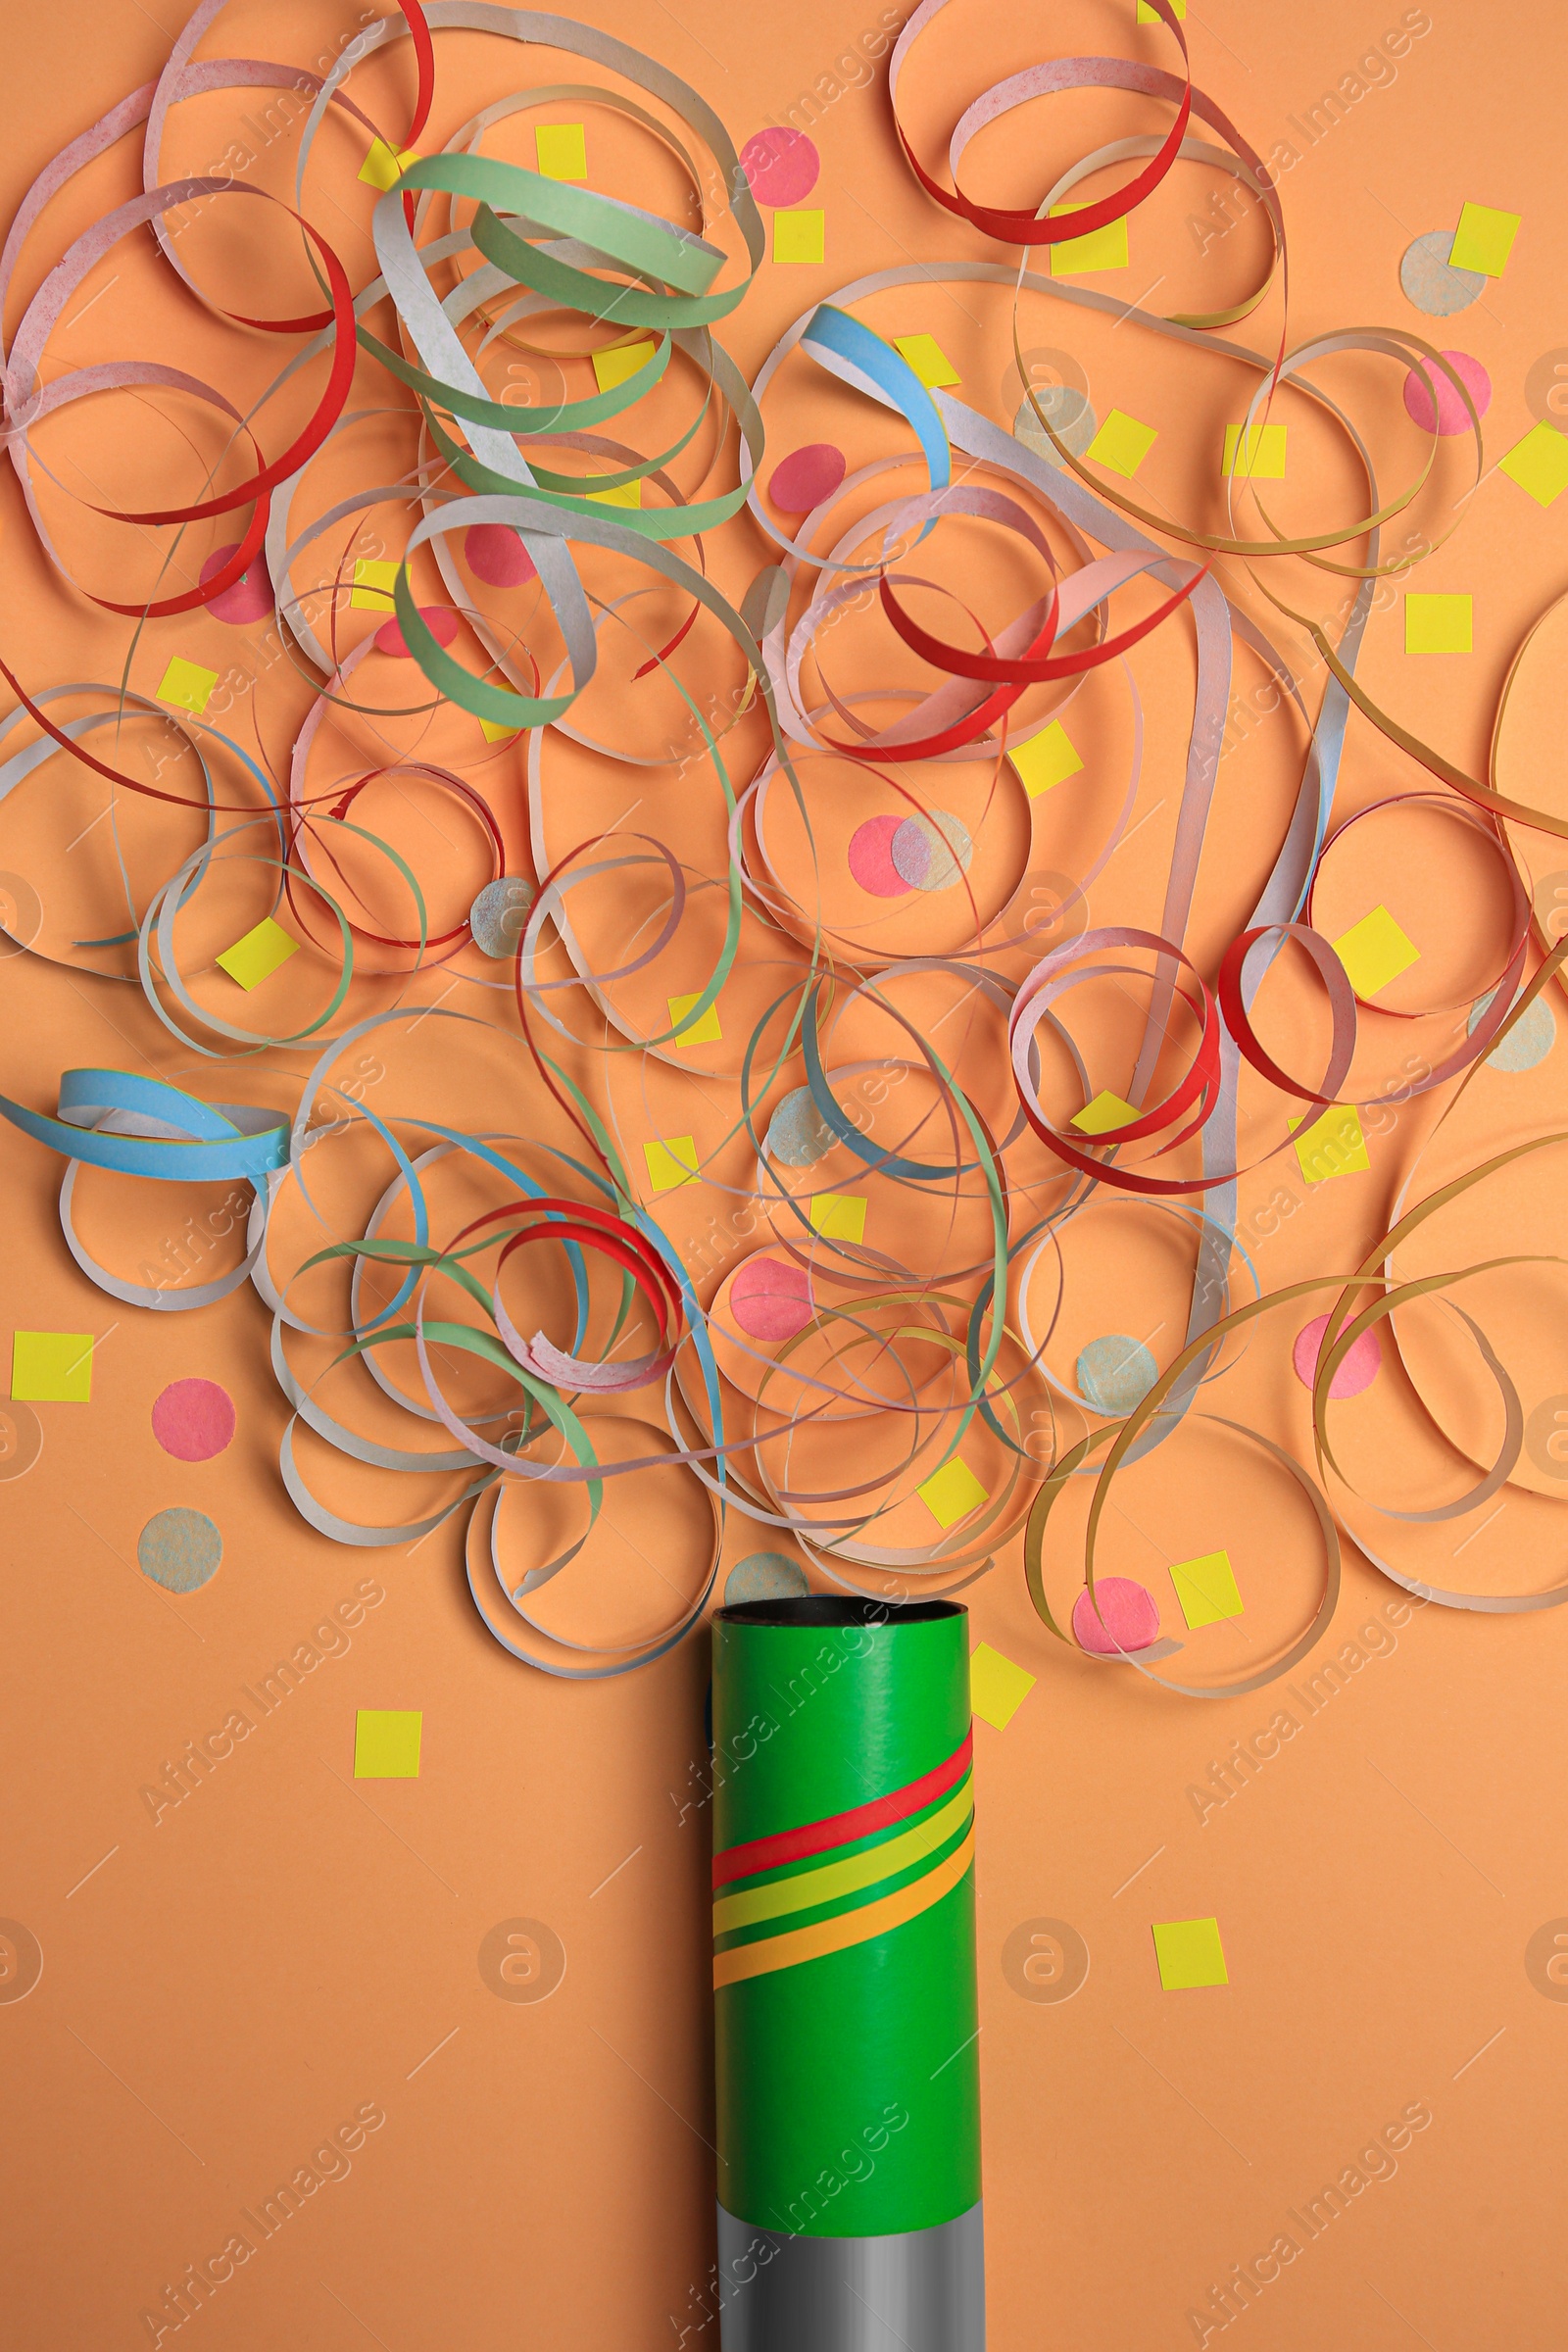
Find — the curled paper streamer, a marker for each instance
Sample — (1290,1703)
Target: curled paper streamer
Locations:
(839,667)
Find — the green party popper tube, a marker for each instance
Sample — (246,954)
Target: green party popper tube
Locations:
(844,1979)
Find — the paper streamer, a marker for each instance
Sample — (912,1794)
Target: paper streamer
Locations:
(842,774)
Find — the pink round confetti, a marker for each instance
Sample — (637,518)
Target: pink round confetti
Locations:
(1358,1370)
(439,620)
(771,1302)
(1126,1618)
(497,555)
(251,596)
(781,165)
(871,859)
(1453,415)
(803,480)
(193,1419)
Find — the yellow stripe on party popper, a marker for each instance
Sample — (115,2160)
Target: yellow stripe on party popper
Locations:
(795,1946)
(826,1883)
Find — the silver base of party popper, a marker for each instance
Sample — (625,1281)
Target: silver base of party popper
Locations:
(923,2290)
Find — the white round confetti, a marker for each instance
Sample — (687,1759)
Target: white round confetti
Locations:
(1529,1041)
(1116,1374)
(930,852)
(1429,281)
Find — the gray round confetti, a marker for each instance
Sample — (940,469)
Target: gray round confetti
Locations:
(499,916)
(1529,1041)
(1046,1960)
(179,1549)
(930,852)
(798,1135)
(1072,421)
(1429,281)
(21,1960)
(1115,1374)
(765,1576)
(522,1960)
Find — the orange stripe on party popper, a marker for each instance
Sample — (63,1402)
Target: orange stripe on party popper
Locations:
(847,1929)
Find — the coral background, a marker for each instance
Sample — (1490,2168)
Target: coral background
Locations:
(287,1948)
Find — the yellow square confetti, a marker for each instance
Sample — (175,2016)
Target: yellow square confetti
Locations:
(187,684)
(1539,463)
(1190,1954)
(1206,1589)
(628,494)
(800,236)
(383,165)
(1101,249)
(563,150)
(1436,625)
(1047,759)
(929,360)
(386,1743)
(51,1367)
(997,1687)
(1333,1145)
(253,958)
(612,367)
(704,1031)
(1147,15)
(839,1216)
(951,1492)
(1483,240)
(671,1163)
(1105,1114)
(1122,443)
(371,591)
(1374,952)
(1263,460)
(494,734)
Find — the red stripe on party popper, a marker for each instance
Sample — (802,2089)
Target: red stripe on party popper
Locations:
(815,1837)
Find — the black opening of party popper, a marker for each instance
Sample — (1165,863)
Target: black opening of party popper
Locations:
(844,1979)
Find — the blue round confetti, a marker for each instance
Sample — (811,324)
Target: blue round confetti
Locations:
(179,1549)
(1115,1374)
(765,1576)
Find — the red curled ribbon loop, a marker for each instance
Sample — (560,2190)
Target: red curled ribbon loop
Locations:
(1025,227)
